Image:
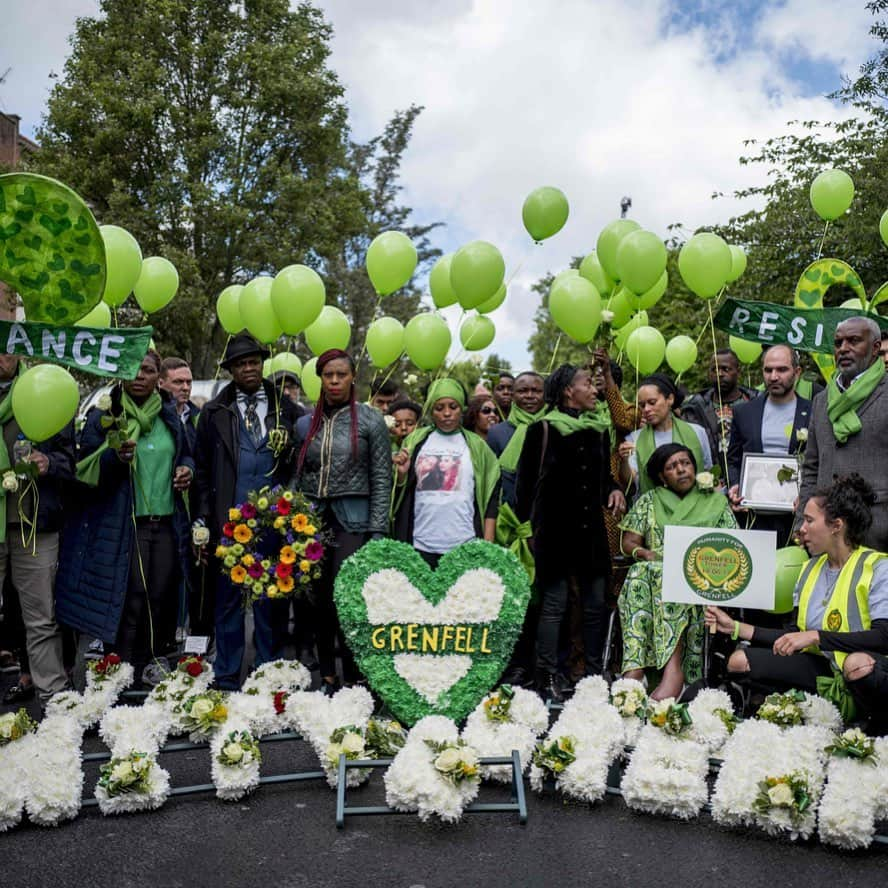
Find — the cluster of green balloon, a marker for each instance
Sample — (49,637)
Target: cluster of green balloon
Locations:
(427,340)
(681,353)
(44,401)
(390,261)
(123,264)
(831,194)
(640,261)
(645,348)
(282,361)
(477,332)
(545,212)
(575,306)
(228,309)
(790,561)
(297,298)
(330,330)
(385,341)
(156,285)
(706,264)
(747,352)
(638,320)
(257,312)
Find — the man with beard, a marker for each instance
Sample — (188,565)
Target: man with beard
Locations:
(849,424)
(770,424)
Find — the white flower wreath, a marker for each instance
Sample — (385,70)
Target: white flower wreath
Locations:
(235,760)
(54,772)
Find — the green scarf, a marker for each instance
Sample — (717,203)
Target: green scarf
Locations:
(694,509)
(682,433)
(5,416)
(565,424)
(139,420)
(841,406)
(522,420)
(484,466)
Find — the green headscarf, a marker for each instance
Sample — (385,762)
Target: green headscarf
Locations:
(645,445)
(139,420)
(522,420)
(445,388)
(841,406)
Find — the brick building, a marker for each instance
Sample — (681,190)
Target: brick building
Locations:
(12,143)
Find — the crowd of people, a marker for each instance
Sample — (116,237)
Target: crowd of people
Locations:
(579,481)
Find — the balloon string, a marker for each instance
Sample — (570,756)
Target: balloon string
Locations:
(822,239)
(710,302)
(519,266)
(222,357)
(114,313)
(721,406)
(392,367)
(554,353)
(364,346)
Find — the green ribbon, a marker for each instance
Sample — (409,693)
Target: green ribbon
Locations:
(139,420)
(833,688)
(841,406)
(513,535)
(645,445)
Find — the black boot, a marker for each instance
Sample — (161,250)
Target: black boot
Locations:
(548,688)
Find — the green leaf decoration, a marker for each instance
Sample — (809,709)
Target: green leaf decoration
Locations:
(43,221)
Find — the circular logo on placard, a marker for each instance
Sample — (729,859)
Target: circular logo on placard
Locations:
(717,566)
(834,620)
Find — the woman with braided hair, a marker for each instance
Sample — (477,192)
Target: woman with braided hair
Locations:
(344,465)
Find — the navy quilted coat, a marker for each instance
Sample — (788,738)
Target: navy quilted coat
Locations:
(97,542)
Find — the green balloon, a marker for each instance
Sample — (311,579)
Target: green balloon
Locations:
(575,307)
(476,273)
(650,298)
(100,317)
(427,340)
(311,382)
(544,212)
(738,262)
(747,352)
(608,242)
(297,297)
(790,561)
(621,306)
(705,263)
(286,361)
(124,263)
(831,194)
(681,353)
(494,302)
(883,227)
(228,309)
(385,341)
(256,310)
(44,401)
(645,348)
(637,320)
(157,284)
(566,273)
(476,332)
(854,303)
(641,260)
(439,282)
(267,367)
(391,261)
(592,270)
(330,330)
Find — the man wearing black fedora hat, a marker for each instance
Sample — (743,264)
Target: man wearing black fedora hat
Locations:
(233,456)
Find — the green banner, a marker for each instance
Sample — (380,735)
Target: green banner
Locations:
(115,352)
(806,329)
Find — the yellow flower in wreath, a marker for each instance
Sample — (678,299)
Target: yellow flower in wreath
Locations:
(242,533)
(220,712)
(221,551)
(285,584)
(279,522)
(287,556)
(238,574)
(247,560)
(299,522)
(305,565)
(234,514)
(310,529)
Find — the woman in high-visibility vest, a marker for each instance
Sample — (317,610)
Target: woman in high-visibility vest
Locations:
(839,639)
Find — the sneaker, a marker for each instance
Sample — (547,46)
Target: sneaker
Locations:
(96,650)
(8,662)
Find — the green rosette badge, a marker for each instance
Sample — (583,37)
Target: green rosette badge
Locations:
(431,642)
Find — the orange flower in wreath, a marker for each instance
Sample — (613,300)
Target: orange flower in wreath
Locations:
(242,533)
(288,555)
(299,522)
(238,574)
(285,584)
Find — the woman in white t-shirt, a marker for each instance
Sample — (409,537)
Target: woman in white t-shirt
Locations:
(447,490)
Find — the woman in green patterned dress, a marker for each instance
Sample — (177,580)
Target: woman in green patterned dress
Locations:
(659,635)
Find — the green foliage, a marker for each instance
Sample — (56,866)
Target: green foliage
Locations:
(218,135)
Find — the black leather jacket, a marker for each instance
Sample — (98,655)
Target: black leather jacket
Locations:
(331,472)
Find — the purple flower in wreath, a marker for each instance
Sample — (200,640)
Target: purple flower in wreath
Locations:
(314,551)
(255,570)
(248,510)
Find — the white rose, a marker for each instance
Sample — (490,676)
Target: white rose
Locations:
(389,421)
(352,742)
(104,402)
(411,379)
(448,760)
(200,535)
(781,795)
(607,316)
(122,772)
(201,708)
(234,752)
(802,435)
(6,723)
(10,482)
(630,707)
(705,480)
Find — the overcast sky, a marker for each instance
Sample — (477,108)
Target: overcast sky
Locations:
(602,98)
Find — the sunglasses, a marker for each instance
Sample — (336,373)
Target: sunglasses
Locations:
(487,410)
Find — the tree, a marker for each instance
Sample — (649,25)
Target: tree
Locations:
(217,134)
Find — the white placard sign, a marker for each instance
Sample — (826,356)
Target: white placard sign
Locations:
(729,568)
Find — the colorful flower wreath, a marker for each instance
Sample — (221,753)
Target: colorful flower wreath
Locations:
(272,544)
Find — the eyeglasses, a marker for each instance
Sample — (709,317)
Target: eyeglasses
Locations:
(487,410)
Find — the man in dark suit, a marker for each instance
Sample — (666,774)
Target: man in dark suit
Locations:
(849,423)
(770,423)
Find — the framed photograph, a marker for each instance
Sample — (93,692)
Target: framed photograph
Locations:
(769,481)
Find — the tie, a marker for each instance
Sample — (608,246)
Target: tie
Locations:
(251,421)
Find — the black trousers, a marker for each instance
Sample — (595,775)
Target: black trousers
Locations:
(555,594)
(153,580)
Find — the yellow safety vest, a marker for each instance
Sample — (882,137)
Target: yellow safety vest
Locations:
(848,606)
